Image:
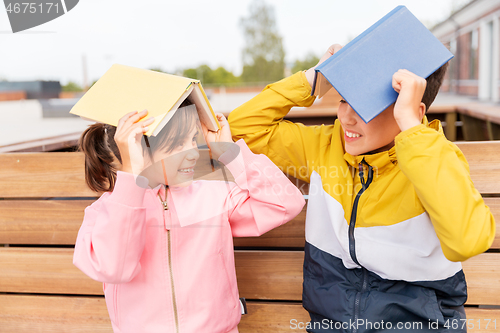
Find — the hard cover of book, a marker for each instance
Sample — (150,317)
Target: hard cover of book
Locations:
(362,70)
(123,89)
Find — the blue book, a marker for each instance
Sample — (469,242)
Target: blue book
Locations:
(362,70)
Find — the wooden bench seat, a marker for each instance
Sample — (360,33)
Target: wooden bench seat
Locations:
(43,197)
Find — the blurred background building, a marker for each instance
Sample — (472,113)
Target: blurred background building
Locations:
(473,36)
(29,90)
(35,114)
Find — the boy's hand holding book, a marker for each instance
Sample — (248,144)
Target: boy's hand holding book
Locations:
(408,109)
(310,73)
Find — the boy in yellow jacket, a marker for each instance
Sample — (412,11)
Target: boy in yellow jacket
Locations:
(392,209)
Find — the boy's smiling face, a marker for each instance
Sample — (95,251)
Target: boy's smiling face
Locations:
(361,138)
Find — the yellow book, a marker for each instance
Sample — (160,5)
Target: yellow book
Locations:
(123,89)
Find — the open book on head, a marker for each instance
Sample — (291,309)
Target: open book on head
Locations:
(123,89)
(362,71)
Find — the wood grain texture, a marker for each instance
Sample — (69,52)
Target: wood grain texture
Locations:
(273,317)
(80,314)
(284,317)
(484,164)
(43,270)
(53,314)
(263,275)
(31,175)
(25,175)
(482,320)
(494,204)
(482,274)
(41,221)
(58,222)
(42,175)
(290,234)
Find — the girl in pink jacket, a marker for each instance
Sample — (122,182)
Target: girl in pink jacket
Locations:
(162,243)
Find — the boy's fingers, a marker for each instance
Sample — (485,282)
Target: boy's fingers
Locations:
(396,81)
(331,51)
(336,48)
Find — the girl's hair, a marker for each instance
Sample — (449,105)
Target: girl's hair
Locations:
(102,157)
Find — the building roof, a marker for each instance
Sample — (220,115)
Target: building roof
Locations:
(466,18)
(23,128)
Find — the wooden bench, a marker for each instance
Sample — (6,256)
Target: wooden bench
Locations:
(42,198)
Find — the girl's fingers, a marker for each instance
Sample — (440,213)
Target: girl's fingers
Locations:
(222,120)
(221,117)
(130,119)
(136,117)
(128,124)
(133,130)
(125,117)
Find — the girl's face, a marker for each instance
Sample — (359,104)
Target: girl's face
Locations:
(175,168)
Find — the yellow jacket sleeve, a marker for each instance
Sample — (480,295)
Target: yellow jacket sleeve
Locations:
(289,145)
(440,174)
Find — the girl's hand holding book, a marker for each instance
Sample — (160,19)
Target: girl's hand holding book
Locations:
(128,138)
(220,141)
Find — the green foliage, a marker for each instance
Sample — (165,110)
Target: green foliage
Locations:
(223,76)
(207,75)
(72,87)
(301,65)
(263,55)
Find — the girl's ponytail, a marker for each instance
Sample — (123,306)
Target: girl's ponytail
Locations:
(97,144)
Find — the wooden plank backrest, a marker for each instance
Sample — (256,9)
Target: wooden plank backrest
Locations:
(268,267)
(34,221)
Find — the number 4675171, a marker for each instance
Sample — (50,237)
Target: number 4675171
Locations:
(31,7)
(477,324)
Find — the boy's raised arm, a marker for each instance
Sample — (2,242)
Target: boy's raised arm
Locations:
(260,122)
(440,174)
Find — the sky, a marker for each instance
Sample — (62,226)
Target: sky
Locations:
(174,35)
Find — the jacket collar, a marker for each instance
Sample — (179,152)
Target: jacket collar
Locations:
(161,189)
(158,189)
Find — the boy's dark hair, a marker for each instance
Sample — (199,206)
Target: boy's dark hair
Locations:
(434,82)
(102,155)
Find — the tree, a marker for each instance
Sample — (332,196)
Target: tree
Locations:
(71,86)
(209,76)
(301,65)
(223,76)
(203,73)
(263,55)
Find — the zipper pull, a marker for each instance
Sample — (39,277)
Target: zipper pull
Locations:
(361,174)
(164,202)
